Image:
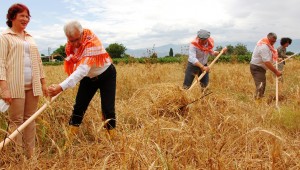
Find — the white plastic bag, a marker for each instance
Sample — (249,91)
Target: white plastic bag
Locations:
(3,106)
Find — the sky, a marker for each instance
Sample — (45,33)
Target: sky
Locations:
(144,23)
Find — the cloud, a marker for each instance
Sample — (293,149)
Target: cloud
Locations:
(159,21)
(142,23)
(257,18)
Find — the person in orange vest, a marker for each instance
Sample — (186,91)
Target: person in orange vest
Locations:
(263,56)
(199,51)
(88,62)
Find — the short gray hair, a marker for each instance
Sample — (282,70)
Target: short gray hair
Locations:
(272,35)
(71,27)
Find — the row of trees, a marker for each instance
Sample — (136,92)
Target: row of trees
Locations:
(239,49)
(116,50)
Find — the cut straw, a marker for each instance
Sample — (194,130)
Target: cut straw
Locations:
(26,123)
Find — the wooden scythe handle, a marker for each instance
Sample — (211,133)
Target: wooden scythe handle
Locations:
(20,128)
(204,72)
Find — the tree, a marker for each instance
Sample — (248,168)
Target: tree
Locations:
(178,55)
(230,49)
(240,49)
(219,48)
(116,50)
(171,52)
(154,55)
(60,51)
(289,53)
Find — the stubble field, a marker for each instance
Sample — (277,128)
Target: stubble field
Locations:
(161,126)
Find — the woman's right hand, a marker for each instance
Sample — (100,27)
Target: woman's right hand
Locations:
(6,96)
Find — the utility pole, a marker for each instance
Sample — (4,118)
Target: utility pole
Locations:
(49,51)
(184,49)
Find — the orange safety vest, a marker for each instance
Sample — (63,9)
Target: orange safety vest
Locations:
(91,52)
(206,49)
(273,50)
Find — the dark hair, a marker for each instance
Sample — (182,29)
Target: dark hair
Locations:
(13,11)
(285,40)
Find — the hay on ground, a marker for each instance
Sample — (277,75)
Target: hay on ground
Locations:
(160,99)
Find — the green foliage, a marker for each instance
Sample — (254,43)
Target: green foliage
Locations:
(244,58)
(126,60)
(60,51)
(171,52)
(178,55)
(148,60)
(170,60)
(232,58)
(240,49)
(177,59)
(223,58)
(218,48)
(289,53)
(153,55)
(230,49)
(53,63)
(45,59)
(116,50)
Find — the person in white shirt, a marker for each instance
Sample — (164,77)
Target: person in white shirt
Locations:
(88,62)
(263,56)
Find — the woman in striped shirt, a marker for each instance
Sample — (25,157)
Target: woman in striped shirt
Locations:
(22,78)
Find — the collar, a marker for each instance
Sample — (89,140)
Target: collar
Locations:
(10,31)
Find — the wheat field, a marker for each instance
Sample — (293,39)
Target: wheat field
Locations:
(161,126)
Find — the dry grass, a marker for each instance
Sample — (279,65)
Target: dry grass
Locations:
(161,126)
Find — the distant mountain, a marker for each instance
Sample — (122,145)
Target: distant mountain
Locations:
(161,51)
(182,48)
(294,47)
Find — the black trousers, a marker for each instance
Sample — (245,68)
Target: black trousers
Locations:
(106,82)
(190,73)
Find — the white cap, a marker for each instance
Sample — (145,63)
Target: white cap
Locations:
(3,106)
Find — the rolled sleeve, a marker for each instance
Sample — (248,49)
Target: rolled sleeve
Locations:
(192,55)
(265,53)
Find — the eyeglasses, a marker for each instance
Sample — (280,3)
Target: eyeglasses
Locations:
(74,40)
